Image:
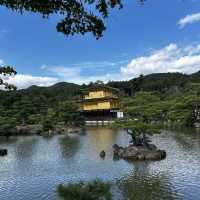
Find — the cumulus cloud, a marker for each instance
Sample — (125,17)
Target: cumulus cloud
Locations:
(189,19)
(24,80)
(168,59)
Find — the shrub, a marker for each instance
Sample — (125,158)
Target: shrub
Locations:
(95,190)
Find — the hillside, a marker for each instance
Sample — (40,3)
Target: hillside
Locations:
(158,82)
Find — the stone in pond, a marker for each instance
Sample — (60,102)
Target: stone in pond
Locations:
(102,154)
(3,152)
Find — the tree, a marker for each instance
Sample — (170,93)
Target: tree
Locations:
(139,131)
(6,71)
(69,114)
(80,17)
(94,190)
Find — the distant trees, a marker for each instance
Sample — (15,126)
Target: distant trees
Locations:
(160,83)
(68,113)
(40,105)
(149,107)
(7,125)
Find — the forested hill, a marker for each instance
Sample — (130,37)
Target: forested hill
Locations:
(159,82)
(49,95)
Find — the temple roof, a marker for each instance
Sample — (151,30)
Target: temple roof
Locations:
(100,87)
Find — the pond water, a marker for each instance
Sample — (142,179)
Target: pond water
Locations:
(35,165)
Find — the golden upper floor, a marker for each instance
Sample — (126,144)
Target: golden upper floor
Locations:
(100,104)
(101,92)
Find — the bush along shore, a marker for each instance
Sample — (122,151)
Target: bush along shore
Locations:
(64,118)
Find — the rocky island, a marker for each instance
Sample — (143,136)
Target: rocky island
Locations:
(140,147)
(133,152)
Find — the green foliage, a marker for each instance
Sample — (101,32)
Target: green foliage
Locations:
(143,106)
(47,124)
(149,106)
(7,125)
(163,84)
(139,131)
(140,127)
(34,119)
(40,105)
(95,190)
(67,112)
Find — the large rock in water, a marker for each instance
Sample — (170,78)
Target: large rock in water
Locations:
(3,152)
(138,152)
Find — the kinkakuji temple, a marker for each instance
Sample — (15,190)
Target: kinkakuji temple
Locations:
(101,102)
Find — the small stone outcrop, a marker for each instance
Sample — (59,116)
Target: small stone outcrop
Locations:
(3,152)
(133,152)
(102,154)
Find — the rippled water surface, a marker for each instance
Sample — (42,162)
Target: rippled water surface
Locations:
(36,165)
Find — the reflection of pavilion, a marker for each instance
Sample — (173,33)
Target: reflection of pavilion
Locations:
(101,139)
(101,103)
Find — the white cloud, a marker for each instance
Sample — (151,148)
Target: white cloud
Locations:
(1,62)
(189,19)
(74,74)
(24,80)
(168,59)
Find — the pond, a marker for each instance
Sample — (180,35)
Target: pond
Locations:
(35,165)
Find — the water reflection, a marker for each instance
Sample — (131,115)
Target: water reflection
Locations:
(26,147)
(7,140)
(69,146)
(147,186)
(36,165)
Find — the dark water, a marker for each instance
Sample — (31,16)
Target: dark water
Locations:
(36,165)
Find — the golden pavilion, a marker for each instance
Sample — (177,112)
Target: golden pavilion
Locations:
(100,102)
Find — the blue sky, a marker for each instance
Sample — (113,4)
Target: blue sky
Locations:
(159,36)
